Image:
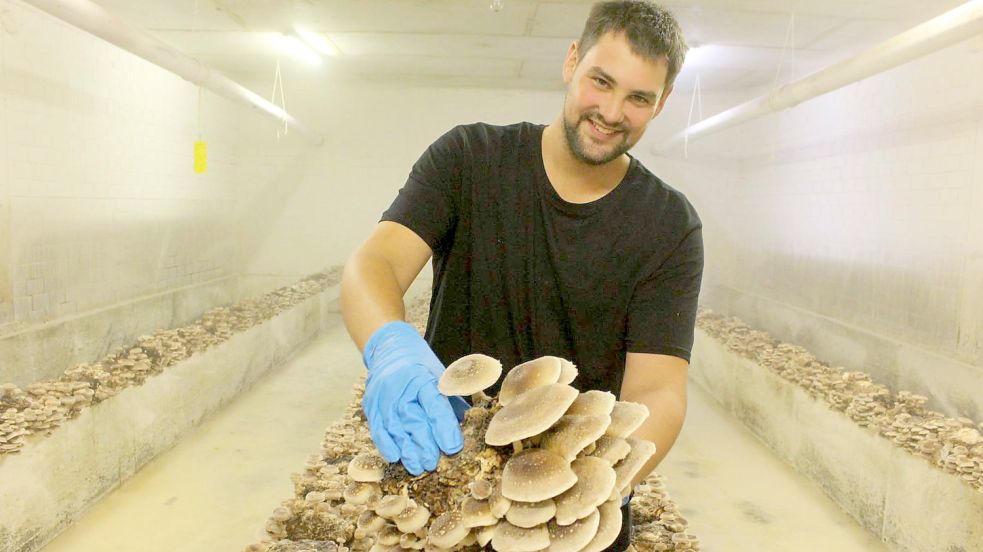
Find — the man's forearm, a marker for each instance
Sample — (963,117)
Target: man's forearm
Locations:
(667,410)
(370,296)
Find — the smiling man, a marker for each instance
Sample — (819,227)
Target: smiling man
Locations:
(545,240)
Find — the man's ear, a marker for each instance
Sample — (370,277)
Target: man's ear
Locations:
(662,101)
(570,63)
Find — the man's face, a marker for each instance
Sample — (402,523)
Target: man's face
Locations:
(612,94)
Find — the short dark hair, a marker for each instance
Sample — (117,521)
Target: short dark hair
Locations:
(651,30)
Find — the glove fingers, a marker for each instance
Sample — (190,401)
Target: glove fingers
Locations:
(409,453)
(417,426)
(380,436)
(443,421)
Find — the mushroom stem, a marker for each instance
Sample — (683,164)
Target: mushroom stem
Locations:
(480,396)
(516,447)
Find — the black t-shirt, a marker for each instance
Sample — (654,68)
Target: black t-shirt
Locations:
(520,273)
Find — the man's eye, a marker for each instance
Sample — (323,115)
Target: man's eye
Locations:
(641,100)
(601,82)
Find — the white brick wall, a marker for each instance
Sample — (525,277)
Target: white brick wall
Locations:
(98,187)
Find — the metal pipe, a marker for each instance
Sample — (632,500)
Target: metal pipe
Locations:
(956,25)
(92,18)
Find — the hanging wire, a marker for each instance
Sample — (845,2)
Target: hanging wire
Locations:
(696,101)
(278,85)
(789,40)
(201,104)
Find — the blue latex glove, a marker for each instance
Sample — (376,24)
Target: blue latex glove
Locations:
(409,420)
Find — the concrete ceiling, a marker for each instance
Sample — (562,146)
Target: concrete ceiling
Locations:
(466,43)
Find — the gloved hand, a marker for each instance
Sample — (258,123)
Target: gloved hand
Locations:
(409,419)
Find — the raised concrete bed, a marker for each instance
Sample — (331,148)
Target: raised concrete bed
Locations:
(908,502)
(53,478)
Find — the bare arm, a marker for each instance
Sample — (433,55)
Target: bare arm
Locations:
(376,278)
(658,382)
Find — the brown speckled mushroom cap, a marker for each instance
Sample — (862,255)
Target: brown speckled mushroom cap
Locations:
(484,535)
(529,375)
(498,503)
(447,530)
(469,375)
(536,474)
(531,514)
(641,451)
(480,488)
(530,414)
(571,434)
(367,468)
(389,535)
(626,417)
(612,449)
(608,527)
(595,481)
(592,403)
(509,538)
(477,513)
(390,506)
(577,535)
(413,517)
(362,493)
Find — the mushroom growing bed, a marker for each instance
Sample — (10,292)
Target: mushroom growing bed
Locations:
(543,467)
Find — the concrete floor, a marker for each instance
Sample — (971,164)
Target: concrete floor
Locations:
(214,491)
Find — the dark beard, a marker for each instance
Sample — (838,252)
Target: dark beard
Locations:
(578,150)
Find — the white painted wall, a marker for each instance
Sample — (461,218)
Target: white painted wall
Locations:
(99,203)
(855,227)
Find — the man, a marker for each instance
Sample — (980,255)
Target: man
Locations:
(545,241)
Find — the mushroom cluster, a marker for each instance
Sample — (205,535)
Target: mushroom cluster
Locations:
(953,444)
(44,405)
(543,466)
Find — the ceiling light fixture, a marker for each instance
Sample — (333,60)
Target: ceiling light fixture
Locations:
(318,42)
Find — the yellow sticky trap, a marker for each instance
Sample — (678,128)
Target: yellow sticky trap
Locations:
(201,157)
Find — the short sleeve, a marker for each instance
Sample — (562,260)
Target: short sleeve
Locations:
(662,312)
(427,203)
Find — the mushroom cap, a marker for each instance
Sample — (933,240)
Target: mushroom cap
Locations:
(359,493)
(389,535)
(626,417)
(529,375)
(447,530)
(612,449)
(531,514)
(568,371)
(536,474)
(477,513)
(413,517)
(641,451)
(573,537)
(571,434)
(608,527)
(593,403)
(411,541)
(367,468)
(509,538)
(498,503)
(480,488)
(469,375)
(485,535)
(368,524)
(531,413)
(595,481)
(390,506)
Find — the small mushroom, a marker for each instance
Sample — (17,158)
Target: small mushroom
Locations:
(625,470)
(480,488)
(362,493)
(484,535)
(498,504)
(531,514)
(390,506)
(413,517)
(477,513)
(509,538)
(612,449)
(577,535)
(626,417)
(536,474)
(530,414)
(367,468)
(595,481)
(389,535)
(447,530)
(470,375)
(529,375)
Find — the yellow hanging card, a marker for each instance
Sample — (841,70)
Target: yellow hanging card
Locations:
(201,157)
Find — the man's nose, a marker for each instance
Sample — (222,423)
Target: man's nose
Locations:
(611,112)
